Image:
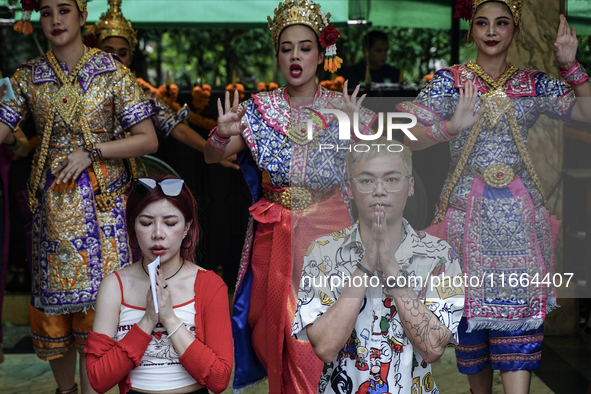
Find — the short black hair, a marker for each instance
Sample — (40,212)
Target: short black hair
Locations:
(372,37)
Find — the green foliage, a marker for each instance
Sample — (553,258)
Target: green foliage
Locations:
(584,52)
(16,48)
(411,50)
(216,54)
(213,55)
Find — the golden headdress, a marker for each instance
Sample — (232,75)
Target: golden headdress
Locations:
(465,8)
(113,24)
(24,25)
(308,13)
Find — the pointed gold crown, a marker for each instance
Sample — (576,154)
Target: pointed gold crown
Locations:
(515,6)
(296,12)
(113,24)
(81,5)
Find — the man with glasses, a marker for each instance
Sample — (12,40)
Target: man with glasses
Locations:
(379,289)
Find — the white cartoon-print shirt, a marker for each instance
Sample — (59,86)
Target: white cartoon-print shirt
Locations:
(378,357)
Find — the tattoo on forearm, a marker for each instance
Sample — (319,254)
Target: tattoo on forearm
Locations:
(424,330)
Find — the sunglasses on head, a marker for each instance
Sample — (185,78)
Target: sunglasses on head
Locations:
(170,187)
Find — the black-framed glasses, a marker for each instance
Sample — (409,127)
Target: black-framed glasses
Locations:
(170,187)
(367,184)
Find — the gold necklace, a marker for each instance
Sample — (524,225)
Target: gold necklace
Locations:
(67,100)
(105,200)
(496,102)
(70,102)
(298,132)
(475,131)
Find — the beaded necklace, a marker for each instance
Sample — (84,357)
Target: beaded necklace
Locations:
(497,104)
(171,276)
(66,102)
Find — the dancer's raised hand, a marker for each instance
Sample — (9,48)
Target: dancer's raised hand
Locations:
(566,44)
(465,117)
(350,104)
(229,118)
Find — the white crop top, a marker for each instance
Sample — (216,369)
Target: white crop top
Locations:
(160,368)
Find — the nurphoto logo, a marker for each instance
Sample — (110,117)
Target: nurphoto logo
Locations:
(345,129)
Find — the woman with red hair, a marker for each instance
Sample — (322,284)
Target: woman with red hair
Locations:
(186,347)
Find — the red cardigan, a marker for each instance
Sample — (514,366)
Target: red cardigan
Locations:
(208,359)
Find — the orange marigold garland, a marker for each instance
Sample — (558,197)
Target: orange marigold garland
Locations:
(328,39)
(201,96)
(232,88)
(194,117)
(263,87)
(24,25)
(336,84)
(201,121)
(146,85)
(28,6)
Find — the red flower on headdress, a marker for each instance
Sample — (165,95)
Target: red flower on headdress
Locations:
(463,9)
(30,5)
(329,36)
(90,41)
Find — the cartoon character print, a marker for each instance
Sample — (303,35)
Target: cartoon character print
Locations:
(160,349)
(439,267)
(340,382)
(360,362)
(415,363)
(297,323)
(324,378)
(347,257)
(326,265)
(350,349)
(310,276)
(375,353)
(395,335)
(447,313)
(378,371)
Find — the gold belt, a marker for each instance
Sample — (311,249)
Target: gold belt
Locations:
(496,175)
(294,198)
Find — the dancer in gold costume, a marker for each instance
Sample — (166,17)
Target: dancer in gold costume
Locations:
(115,34)
(77,185)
